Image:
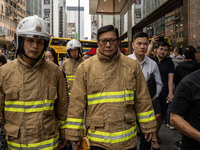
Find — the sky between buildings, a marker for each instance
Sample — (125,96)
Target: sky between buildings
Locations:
(87,16)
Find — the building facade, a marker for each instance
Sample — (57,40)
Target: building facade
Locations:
(57,17)
(11,12)
(34,7)
(73,26)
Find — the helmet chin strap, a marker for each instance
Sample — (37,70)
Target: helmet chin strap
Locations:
(34,59)
(77,58)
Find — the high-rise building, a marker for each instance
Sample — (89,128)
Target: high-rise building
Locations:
(46,10)
(11,12)
(57,18)
(34,7)
(73,26)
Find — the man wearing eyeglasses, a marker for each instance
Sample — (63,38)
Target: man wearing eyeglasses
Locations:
(112,89)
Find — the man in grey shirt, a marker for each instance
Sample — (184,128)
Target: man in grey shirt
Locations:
(177,56)
(149,67)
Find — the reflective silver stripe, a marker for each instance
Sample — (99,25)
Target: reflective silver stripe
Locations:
(70,78)
(51,145)
(112,137)
(130,95)
(106,97)
(115,137)
(74,123)
(28,106)
(48,104)
(14,106)
(33,106)
(147,116)
(22,106)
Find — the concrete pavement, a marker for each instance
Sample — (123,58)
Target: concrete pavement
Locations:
(168,138)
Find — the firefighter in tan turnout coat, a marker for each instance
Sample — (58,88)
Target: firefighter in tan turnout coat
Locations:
(69,66)
(32,92)
(112,89)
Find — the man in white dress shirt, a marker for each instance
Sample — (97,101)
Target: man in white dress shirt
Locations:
(149,67)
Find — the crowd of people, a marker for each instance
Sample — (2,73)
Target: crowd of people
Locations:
(46,104)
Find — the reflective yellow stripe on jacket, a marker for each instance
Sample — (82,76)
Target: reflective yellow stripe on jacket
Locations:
(116,137)
(108,97)
(146,116)
(44,145)
(28,107)
(72,123)
(70,77)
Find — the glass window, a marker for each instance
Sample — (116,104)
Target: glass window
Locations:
(137,1)
(137,13)
(46,13)
(89,44)
(180,34)
(1,7)
(59,42)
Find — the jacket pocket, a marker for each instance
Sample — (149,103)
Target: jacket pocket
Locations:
(11,130)
(96,86)
(94,122)
(52,93)
(12,94)
(129,113)
(52,126)
(130,87)
(51,98)
(130,82)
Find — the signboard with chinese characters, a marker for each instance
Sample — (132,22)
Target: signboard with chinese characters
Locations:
(46,1)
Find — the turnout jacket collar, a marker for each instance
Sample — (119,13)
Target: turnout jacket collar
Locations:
(107,59)
(38,63)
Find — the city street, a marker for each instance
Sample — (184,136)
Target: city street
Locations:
(168,138)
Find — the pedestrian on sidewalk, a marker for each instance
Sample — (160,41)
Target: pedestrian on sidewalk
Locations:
(151,73)
(178,58)
(166,68)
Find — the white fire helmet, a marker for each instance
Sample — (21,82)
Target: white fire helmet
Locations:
(73,44)
(32,26)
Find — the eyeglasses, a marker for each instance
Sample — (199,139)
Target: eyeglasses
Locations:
(105,41)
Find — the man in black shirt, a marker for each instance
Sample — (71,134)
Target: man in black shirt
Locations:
(166,68)
(185,114)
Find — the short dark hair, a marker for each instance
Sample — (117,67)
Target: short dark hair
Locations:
(54,54)
(189,52)
(139,35)
(198,49)
(179,50)
(163,43)
(3,59)
(155,45)
(107,29)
